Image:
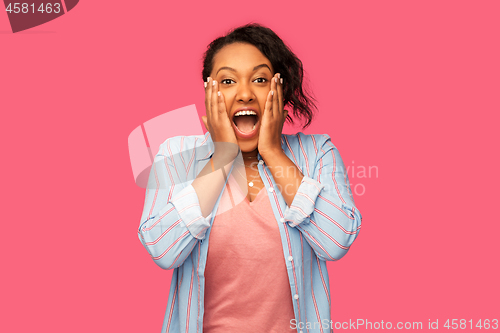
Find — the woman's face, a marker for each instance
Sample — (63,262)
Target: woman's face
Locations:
(244,77)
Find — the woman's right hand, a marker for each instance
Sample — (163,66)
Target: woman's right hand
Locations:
(217,121)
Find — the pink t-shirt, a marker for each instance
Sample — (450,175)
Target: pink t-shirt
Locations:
(246,281)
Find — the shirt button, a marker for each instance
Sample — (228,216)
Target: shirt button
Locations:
(282,220)
(261,162)
(296,296)
(290,258)
(271,189)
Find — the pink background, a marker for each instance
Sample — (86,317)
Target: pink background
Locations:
(409,87)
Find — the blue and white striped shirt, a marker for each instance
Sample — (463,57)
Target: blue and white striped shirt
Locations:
(321,224)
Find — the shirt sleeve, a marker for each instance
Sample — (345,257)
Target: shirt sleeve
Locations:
(323,208)
(171,222)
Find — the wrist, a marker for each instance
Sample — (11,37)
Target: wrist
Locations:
(226,150)
(271,152)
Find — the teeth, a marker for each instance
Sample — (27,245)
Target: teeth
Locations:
(253,127)
(245,113)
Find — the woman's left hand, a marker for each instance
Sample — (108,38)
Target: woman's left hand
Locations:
(273,119)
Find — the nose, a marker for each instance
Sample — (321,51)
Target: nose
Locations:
(244,93)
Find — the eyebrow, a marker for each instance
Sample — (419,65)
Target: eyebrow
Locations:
(234,70)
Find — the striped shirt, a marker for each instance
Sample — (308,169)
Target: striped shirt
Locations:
(320,225)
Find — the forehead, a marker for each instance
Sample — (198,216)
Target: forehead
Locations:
(240,56)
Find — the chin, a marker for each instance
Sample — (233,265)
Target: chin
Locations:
(248,146)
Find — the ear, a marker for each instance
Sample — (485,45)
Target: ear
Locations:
(204,118)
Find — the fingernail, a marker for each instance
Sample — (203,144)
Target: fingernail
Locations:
(218,93)
(213,82)
(272,92)
(279,75)
(281,80)
(276,79)
(205,84)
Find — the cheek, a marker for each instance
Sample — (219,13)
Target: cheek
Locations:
(262,99)
(228,101)
(228,112)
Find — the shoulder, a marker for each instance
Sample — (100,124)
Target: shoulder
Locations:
(184,143)
(310,143)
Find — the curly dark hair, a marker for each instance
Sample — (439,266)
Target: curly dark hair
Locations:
(283,60)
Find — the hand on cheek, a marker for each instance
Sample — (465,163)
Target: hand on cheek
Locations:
(217,121)
(273,119)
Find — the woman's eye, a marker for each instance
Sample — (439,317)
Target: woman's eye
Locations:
(228,81)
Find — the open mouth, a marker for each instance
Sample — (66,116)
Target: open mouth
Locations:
(245,121)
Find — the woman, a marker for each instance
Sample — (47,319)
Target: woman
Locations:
(259,266)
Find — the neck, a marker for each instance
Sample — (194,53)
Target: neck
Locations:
(251,155)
